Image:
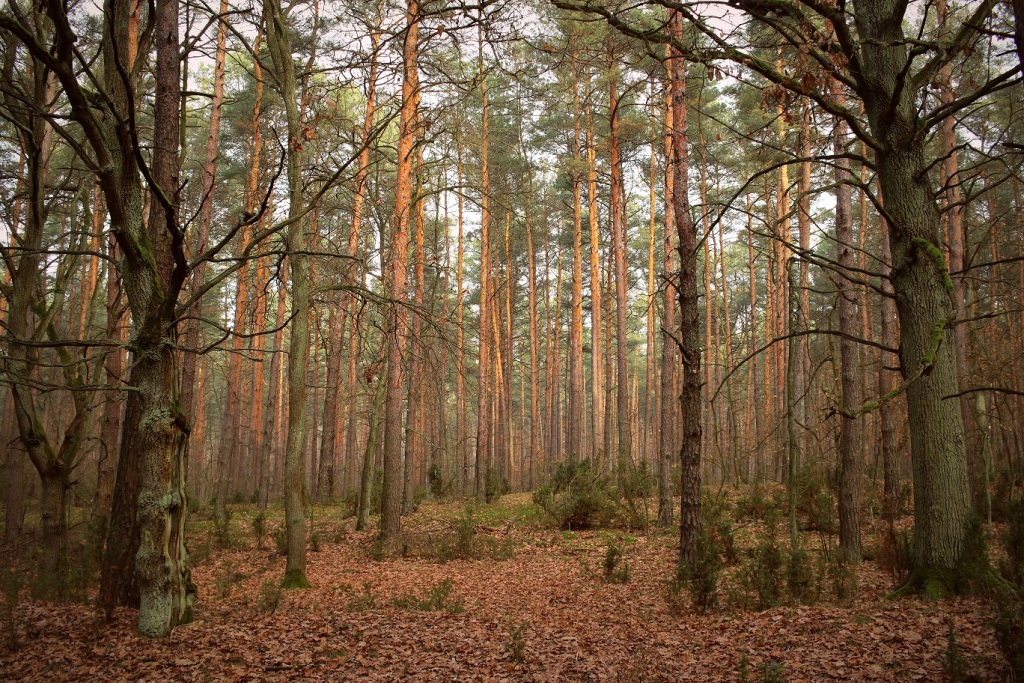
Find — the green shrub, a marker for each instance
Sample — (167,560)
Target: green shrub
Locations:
(495,485)
(222,534)
(577,497)
(841,575)
(1012,566)
(703,572)
(765,568)
(237,497)
(314,541)
(436,482)
(616,567)
(226,579)
(365,601)
(815,502)
(10,583)
(515,645)
(437,599)
(1009,628)
(754,504)
(269,597)
(280,541)
(800,576)
(259,527)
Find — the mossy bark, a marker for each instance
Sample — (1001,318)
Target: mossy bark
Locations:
(921,284)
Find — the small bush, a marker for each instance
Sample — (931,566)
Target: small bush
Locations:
(495,485)
(314,541)
(280,541)
(225,580)
(269,597)
(436,599)
(815,502)
(800,576)
(616,567)
(577,497)
(841,575)
(753,504)
(259,527)
(1012,566)
(365,601)
(765,568)
(702,574)
(237,497)
(515,644)
(10,583)
(436,482)
(222,534)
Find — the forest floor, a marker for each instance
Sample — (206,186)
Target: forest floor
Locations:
(536,604)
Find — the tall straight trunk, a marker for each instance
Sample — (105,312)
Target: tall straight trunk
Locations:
(618,229)
(755,390)
(272,425)
(668,442)
(922,287)
(804,240)
(535,419)
(689,332)
(348,302)
(887,382)
(576,399)
(483,425)
(415,418)
(298,271)
(397,278)
(462,452)
(651,393)
(113,404)
(851,427)
(366,476)
(332,394)
(14,470)
(191,331)
(597,400)
(955,229)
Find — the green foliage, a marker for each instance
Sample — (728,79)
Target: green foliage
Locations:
(754,504)
(1012,566)
(616,567)
(269,597)
(259,527)
(702,574)
(954,663)
(314,541)
(365,601)
(237,498)
(436,482)
(280,541)
(222,534)
(438,598)
(841,575)
(800,576)
(11,583)
(495,486)
(295,579)
(764,571)
(815,501)
(577,497)
(225,580)
(773,672)
(377,491)
(515,644)
(1009,628)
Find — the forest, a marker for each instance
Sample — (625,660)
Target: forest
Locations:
(545,340)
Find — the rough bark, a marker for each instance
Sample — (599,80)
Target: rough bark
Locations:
(298,341)
(397,277)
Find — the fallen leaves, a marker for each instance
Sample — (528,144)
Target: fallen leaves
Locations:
(576,626)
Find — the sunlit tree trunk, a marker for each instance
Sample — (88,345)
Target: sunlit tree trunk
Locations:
(397,279)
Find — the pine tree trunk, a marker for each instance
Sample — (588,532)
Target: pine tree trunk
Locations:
(397,278)
(689,337)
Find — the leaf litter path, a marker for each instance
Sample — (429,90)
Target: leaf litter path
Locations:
(575,627)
